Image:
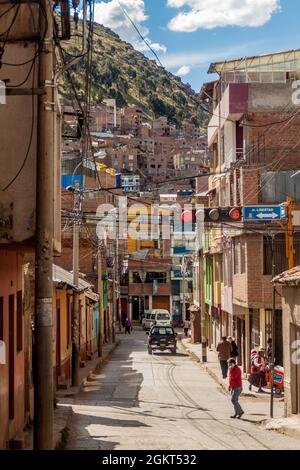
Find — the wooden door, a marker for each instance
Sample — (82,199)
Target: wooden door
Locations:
(58,341)
(11,352)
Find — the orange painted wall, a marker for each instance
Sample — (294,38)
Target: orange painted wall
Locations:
(11,281)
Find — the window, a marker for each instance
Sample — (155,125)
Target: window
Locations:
(147,302)
(243,256)
(19,321)
(280,259)
(236,249)
(136,278)
(161,278)
(1,320)
(239,256)
(163,316)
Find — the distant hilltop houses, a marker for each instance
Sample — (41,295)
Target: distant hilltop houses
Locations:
(142,148)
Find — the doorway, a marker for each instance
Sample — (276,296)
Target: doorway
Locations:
(278,351)
(295,369)
(135,308)
(58,346)
(11,352)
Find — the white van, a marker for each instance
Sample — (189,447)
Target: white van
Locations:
(160,317)
(147,320)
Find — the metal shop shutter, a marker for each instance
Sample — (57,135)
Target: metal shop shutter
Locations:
(161,301)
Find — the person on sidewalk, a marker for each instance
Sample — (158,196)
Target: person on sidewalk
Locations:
(269,351)
(257,377)
(234,348)
(224,350)
(235,387)
(128,326)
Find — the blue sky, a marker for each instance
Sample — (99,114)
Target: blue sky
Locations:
(190,34)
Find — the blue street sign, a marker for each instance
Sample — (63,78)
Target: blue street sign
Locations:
(263,213)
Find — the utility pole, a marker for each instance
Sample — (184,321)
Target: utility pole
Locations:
(273,329)
(43,365)
(202,308)
(183,270)
(290,233)
(100,292)
(76,313)
(114,295)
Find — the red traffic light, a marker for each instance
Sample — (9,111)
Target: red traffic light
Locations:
(235,214)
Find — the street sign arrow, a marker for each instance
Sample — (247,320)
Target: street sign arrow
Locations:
(267,216)
(262,213)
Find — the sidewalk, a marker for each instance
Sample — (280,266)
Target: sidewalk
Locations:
(62,414)
(289,426)
(256,405)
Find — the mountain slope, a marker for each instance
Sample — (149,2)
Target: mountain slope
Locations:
(121,72)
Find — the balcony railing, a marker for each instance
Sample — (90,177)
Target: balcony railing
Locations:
(147,289)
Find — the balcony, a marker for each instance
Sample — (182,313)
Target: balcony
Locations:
(233,105)
(147,289)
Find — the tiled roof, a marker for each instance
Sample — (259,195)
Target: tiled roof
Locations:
(291,277)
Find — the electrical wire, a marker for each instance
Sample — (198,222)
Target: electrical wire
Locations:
(140,34)
(30,138)
(39,50)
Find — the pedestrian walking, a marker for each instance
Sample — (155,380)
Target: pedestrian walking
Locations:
(235,387)
(269,351)
(128,326)
(224,350)
(234,348)
(257,377)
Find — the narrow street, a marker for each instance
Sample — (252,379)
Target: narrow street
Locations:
(162,402)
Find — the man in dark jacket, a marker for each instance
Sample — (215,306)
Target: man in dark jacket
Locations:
(224,353)
(235,387)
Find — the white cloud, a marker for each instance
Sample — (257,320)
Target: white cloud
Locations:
(202,59)
(208,14)
(110,14)
(183,71)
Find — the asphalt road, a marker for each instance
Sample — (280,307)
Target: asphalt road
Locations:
(160,402)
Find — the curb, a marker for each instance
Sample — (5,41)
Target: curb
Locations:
(101,362)
(291,431)
(212,374)
(61,442)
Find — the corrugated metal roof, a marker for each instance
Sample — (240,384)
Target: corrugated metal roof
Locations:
(62,276)
(235,64)
(291,277)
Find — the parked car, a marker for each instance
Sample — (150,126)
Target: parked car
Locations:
(147,320)
(161,317)
(162,338)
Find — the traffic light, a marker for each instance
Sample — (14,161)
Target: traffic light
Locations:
(223,214)
(213,215)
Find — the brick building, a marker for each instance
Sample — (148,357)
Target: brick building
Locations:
(254,147)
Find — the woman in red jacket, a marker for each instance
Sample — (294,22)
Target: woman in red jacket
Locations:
(235,387)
